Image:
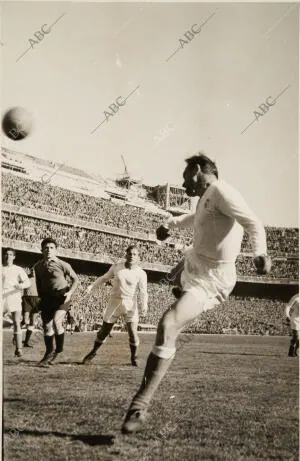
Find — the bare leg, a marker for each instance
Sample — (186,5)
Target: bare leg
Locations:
(134,341)
(30,321)
(17,317)
(100,339)
(186,309)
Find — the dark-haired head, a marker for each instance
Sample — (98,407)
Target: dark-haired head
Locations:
(132,255)
(199,174)
(11,250)
(131,247)
(206,164)
(48,240)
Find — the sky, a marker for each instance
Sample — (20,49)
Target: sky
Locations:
(179,92)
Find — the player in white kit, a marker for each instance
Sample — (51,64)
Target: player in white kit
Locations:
(127,278)
(14,281)
(292,317)
(209,273)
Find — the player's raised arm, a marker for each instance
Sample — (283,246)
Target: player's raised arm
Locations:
(232,204)
(181,222)
(163,231)
(143,292)
(101,280)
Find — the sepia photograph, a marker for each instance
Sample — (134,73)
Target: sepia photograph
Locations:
(150,233)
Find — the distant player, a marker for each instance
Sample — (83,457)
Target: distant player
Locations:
(14,280)
(292,317)
(209,273)
(128,278)
(52,281)
(70,322)
(31,307)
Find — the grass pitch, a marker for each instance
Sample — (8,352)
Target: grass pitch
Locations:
(225,398)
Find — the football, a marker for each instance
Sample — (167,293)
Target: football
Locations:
(17,123)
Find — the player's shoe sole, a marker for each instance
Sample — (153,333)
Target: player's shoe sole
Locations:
(27,345)
(88,358)
(135,421)
(18,353)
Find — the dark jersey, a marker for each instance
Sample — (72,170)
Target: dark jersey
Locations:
(51,276)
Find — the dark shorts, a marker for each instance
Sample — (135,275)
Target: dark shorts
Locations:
(31,304)
(52,303)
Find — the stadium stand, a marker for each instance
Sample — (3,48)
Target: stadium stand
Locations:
(32,230)
(23,192)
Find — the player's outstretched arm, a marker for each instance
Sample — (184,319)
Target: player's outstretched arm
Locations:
(163,231)
(231,203)
(101,280)
(143,293)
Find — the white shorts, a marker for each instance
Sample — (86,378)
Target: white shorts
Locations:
(11,305)
(125,308)
(215,279)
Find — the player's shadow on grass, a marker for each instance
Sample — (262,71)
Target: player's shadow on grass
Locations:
(239,353)
(92,440)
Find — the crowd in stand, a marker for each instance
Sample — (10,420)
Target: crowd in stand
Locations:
(35,194)
(280,241)
(244,316)
(32,230)
(26,229)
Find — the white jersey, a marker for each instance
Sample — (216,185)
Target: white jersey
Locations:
(292,312)
(218,223)
(12,296)
(126,283)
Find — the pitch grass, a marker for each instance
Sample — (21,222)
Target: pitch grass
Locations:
(225,398)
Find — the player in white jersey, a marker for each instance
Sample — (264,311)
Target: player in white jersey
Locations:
(127,278)
(14,280)
(292,317)
(209,273)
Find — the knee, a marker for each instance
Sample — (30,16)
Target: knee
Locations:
(48,329)
(133,338)
(17,327)
(167,324)
(58,327)
(102,335)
